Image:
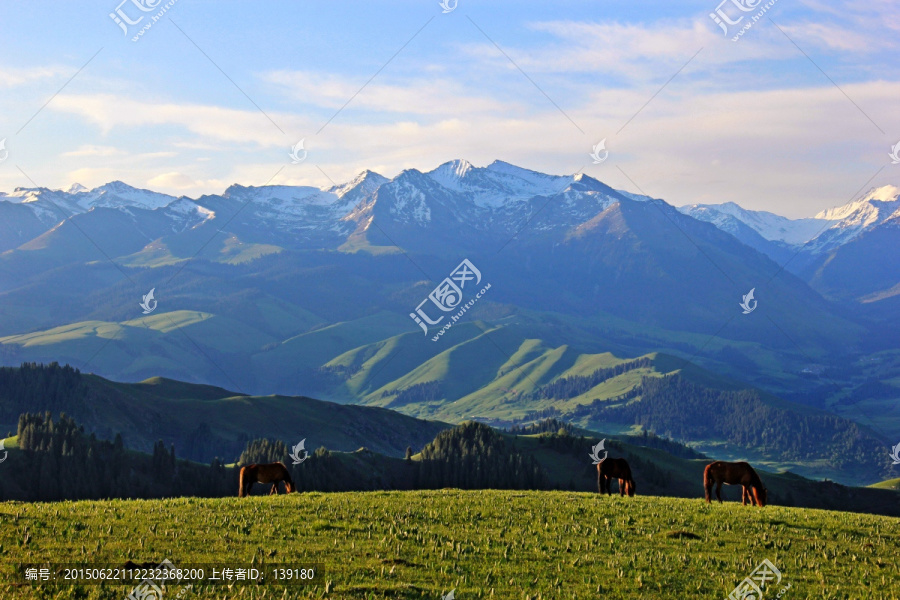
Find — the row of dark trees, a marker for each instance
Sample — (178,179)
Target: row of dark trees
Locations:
(575,385)
(52,387)
(57,460)
(427,391)
(475,456)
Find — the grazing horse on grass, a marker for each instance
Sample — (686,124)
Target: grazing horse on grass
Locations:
(739,473)
(615,468)
(273,473)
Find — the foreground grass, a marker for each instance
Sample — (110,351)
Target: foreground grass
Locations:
(499,544)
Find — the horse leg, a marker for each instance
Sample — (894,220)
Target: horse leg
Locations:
(719,491)
(744,494)
(754,497)
(622,487)
(274,489)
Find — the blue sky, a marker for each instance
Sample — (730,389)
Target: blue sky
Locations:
(796,116)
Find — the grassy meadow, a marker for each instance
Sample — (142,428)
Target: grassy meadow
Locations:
(483,544)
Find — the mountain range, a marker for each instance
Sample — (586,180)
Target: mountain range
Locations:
(305,291)
(453,208)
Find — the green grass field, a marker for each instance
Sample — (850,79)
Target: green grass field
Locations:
(483,544)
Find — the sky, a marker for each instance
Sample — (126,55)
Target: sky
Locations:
(798,114)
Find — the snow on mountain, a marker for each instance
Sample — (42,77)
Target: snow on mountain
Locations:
(497,197)
(282,197)
(49,206)
(875,207)
(827,230)
(769,225)
(527,181)
(366,183)
(118,195)
(56,204)
(498,184)
(187,214)
(637,197)
(290,208)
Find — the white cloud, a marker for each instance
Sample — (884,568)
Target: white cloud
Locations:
(432,96)
(794,151)
(92,150)
(177,181)
(16,76)
(630,51)
(111,112)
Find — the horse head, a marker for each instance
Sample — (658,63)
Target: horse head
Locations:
(761,494)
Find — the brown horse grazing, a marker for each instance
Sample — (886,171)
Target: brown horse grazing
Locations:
(739,473)
(273,473)
(615,468)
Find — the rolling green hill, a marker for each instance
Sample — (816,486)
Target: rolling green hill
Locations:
(202,421)
(482,544)
(494,374)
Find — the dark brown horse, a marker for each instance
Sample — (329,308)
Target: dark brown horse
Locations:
(615,468)
(273,473)
(739,473)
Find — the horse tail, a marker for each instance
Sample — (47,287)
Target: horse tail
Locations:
(243,480)
(707,475)
(708,482)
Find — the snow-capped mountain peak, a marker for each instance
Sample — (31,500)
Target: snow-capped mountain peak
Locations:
(875,206)
(827,230)
(728,216)
(117,194)
(367,182)
(488,197)
(498,184)
(455,175)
